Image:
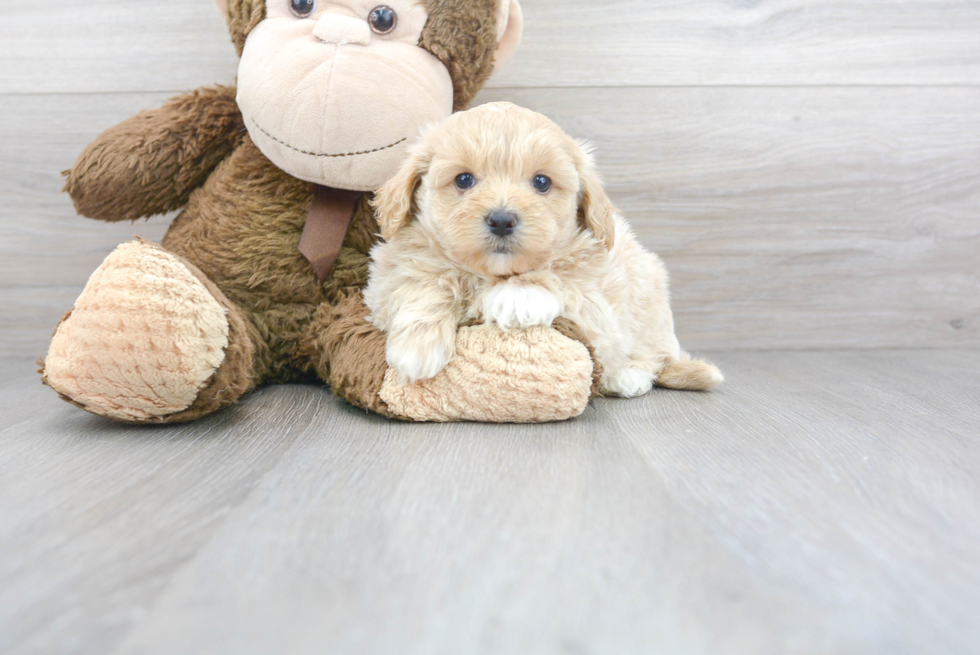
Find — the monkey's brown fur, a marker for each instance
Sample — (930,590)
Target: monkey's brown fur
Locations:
(240,228)
(153,162)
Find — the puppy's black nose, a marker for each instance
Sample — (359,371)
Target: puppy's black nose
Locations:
(502,223)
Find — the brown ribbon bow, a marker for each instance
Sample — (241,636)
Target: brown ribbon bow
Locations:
(326,227)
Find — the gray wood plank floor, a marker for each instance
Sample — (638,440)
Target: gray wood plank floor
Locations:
(821,502)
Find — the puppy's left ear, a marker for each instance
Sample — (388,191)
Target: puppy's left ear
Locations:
(394,203)
(595,209)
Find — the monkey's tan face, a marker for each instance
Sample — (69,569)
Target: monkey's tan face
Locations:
(501,192)
(332,92)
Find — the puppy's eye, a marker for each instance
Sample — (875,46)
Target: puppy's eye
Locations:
(383,20)
(302,8)
(465,181)
(542,183)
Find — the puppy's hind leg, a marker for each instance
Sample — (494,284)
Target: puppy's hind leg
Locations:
(621,375)
(657,347)
(629,383)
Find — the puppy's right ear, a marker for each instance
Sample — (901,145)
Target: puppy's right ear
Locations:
(222,7)
(394,203)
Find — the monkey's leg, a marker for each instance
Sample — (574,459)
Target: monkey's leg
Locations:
(150,340)
(522,376)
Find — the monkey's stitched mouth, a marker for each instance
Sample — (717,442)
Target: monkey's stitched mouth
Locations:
(326,154)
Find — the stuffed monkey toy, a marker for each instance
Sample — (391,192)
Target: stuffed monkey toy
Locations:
(259,279)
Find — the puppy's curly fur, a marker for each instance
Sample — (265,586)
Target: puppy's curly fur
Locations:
(564,251)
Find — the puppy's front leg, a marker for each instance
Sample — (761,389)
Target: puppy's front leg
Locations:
(421,322)
(420,351)
(520,305)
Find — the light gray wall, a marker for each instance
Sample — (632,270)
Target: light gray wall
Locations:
(810,171)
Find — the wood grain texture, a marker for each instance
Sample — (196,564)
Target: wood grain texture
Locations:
(747,43)
(44,241)
(817,503)
(96,516)
(110,46)
(820,502)
(797,217)
(789,218)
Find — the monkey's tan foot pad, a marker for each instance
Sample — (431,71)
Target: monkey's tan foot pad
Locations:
(536,375)
(146,339)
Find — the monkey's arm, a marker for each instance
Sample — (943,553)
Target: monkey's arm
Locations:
(151,163)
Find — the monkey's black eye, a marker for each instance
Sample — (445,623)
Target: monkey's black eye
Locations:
(542,183)
(383,20)
(465,181)
(302,8)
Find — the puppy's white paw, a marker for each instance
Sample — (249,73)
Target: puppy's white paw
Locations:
(629,383)
(514,306)
(422,359)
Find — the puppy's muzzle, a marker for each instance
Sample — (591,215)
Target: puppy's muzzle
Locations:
(502,223)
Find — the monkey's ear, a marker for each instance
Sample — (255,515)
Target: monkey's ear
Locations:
(510,28)
(222,7)
(394,203)
(595,209)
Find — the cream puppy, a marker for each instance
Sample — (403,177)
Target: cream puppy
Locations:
(499,215)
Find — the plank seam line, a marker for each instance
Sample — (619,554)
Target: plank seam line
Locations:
(26,94)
